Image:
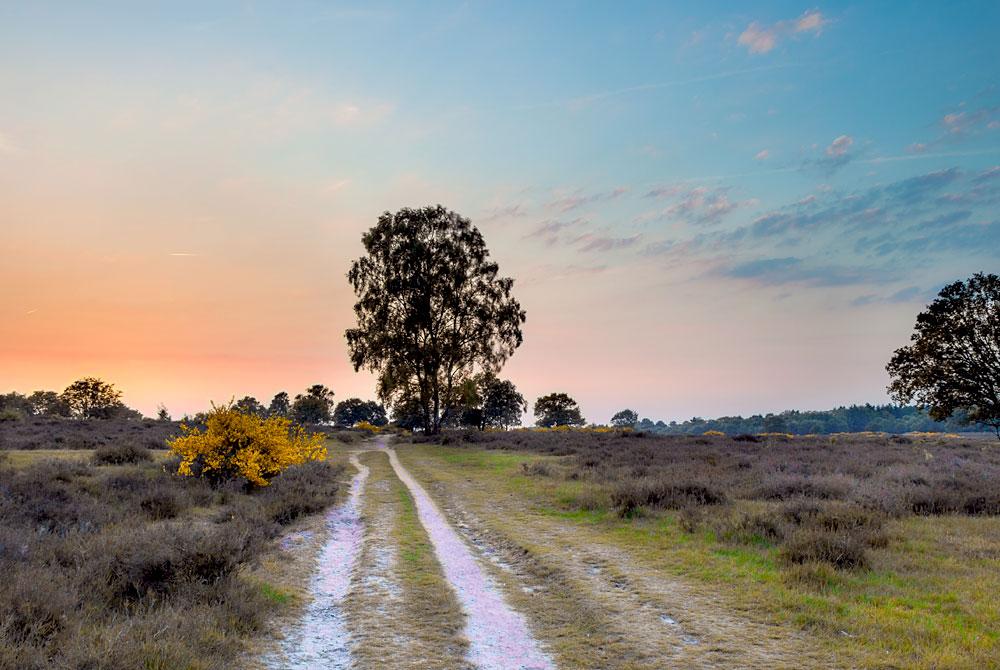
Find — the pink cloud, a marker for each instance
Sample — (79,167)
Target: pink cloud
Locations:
(839,146)
(760,39)
(763,154)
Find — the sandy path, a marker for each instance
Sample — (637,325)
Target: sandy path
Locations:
(375,605)
(498,636)
(644,617)
(321,640)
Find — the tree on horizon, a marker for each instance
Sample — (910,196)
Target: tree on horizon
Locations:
(432,309)
(952,364)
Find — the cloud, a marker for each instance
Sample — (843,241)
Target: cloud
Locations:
(762,155)
(760,39)
(905,295)
(596,243)
(793,270)
(698,205)
(836,155)
(840,146)
(505,212)
(549,231)
(987,175)
(578,199)
(810,21)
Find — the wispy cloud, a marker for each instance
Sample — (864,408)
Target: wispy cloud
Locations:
(578,199)
(698,205)
(599,243)
(759,38)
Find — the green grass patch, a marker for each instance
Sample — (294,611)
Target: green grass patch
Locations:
(275,595)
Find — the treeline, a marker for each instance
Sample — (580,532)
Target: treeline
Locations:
(852,419)
(88,398)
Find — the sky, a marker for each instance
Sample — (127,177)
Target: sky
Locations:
(708,208)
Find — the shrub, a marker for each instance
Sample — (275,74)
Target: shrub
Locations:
(629,495)
(537,468)
(299,490)
(751,528)
(11,414)
(368,427)
(236,445)
(162,503)
(34,603)
(785,487)
(165,559)
(838,548)
(120,454)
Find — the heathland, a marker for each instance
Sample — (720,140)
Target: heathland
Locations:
(620,549)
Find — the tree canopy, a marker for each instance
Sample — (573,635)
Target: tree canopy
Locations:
(557,409)
(626,418)
(280,405)
(93,398)
(355,410)
(502,405)
(314,406)
(952,363)
(432,308)
(250,405)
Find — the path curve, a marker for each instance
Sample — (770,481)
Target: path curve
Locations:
(498,636)
(321,639)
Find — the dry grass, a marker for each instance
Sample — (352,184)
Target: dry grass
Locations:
(923,601)
(130,566)
(41,432)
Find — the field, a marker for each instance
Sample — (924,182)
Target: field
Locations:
(616,550)
(110,561)
(882,552)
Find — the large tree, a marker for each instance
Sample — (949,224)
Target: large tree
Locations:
(432,308)
(502,405)
(280,405)
(557,409)
(250,405)
(952,364)
(355,410)
(314,406)
(93,398)
(626,418)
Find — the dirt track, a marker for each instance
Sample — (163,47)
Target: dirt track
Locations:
(438,573)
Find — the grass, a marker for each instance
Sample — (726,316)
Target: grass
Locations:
(276,595)
(926,600)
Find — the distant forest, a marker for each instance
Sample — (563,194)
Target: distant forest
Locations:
(853,419)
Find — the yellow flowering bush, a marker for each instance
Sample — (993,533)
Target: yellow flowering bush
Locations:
(235,444)
(364,425)
(714,433)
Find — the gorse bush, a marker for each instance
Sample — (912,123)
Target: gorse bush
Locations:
(237,445)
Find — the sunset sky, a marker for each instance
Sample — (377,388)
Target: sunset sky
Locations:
(706,210)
